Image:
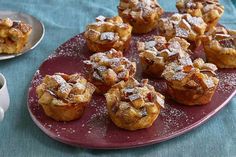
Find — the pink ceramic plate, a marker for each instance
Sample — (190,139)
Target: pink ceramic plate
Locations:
(95,129)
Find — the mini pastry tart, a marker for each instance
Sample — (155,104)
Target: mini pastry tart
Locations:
(107,33)
(220,48)
(64,97)
(132,105)
(210,10)
(184,26)
(191,84)
(156,53)
(108,68)
(14,36)
(143,15)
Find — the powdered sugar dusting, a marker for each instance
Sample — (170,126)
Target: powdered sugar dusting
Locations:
(37,79)
(150,44)
(227,82)
(101,18)
(97,124)
(195,20)
(58,129)
(107,36)
(181,32)
(173,119)
(137,8)
(70,48)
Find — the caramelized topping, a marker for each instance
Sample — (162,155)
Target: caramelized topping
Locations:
(198,75)
(14,29)
(159,50)
(108,29)
(13,35)
(61,89)
(135,96)
(139,9)
(110,67)
(7,22)
(208,9)
(182,25)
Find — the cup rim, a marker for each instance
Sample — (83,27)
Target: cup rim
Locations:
(4,81)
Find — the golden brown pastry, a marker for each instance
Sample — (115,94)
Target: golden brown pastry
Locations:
(210,10)
(220,48)
(156,53)
(14,35)
(107,33)
(184,26)
(64,97)
(143,15)
(132,105)
(108,68)
(191,83)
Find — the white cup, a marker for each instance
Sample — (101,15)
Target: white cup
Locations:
(4,96)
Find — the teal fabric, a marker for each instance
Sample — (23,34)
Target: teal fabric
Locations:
(20,137)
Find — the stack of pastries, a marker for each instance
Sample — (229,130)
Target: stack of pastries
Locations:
(136,105)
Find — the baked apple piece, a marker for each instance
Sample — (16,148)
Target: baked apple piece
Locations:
(143,15)
(14,35)
(64,97)
(107,33)
(191,84)
(156,53)
(108,68)
(132,105)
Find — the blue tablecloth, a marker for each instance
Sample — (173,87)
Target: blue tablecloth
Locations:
(20,137)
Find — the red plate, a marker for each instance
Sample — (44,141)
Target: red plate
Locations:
(95,129)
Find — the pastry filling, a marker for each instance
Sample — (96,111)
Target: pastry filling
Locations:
(226,38)
(227,43)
